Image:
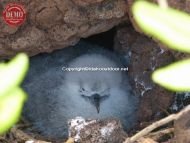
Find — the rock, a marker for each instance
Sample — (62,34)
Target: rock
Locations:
(86,2)
(183,5)
(154,102)
(182,129)
(145,56)
(180,55)
(57,24)
(96,131)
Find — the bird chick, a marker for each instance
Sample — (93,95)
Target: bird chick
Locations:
(82,80)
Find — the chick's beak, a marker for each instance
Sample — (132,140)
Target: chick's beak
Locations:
(95,99)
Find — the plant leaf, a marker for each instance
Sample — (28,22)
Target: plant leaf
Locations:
(168,25)
(11,108)
(175,77)
(13,73)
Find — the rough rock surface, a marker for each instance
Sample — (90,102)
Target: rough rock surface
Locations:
(54,24)
(96,131)
(181,129)
(145,56)
(183,5)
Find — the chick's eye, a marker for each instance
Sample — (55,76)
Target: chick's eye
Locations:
(106,90)
(82,89)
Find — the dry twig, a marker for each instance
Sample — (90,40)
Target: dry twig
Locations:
(70,140)
(157,135)
(157,124)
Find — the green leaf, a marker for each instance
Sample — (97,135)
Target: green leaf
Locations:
(13,73)
(175,77)
(11,108)
(168,25)
(2,65)
(12,97)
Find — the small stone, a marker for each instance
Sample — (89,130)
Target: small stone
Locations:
(96,131)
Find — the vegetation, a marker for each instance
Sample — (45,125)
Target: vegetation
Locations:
(12,97)
(170,27)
